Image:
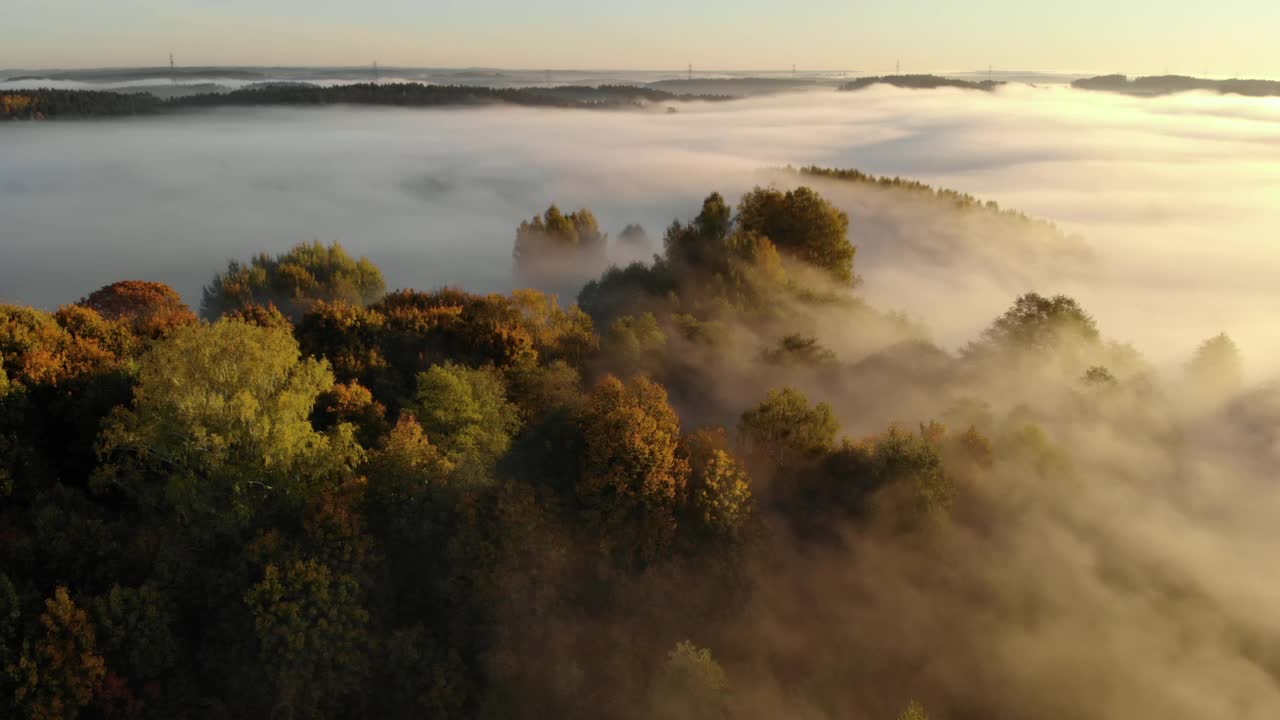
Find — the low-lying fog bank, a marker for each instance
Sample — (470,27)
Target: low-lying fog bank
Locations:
(1176,197)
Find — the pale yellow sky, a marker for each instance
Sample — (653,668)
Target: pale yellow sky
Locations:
(1233,37)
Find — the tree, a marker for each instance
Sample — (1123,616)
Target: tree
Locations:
(558,334)
(1216,368)
(720,497)
(135,631)
(312,631)
(700,244)
(801,223)
(1039,325)
(909,467)
(636,343)
(466,412)
(405,467)
(220,425)
(554,238)
(294,280)
(60,674)
(635,237)
(633,475)
(691,684)
(799,351)
(152,309)
(39,348)
(785,432)
(10,625)
(913,711)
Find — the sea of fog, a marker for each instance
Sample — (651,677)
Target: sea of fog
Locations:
(1179,197)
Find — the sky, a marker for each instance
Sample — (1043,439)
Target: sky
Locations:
(1227,38)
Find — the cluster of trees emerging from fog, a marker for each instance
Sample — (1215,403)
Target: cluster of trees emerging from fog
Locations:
(318,499)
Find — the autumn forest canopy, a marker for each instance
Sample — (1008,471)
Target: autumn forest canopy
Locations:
(718,483)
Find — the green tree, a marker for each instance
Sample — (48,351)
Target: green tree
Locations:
(313,634)
(799,351)
(907,469)
(135,630)
(1037,324)
(720,497)
(691,685)
(636,343)
(785,432)
(801,223)
(220,425)
(294,281)
(465,411)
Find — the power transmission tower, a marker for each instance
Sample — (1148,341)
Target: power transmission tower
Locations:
(173,71)
(377,76)
(691,71)
(897,68)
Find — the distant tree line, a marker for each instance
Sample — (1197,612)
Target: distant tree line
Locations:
(48,104)
(921,82)
(952,199)
(1169,84)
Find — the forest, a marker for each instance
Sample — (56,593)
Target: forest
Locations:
(44,104)
(921,82)
(716,484)
(1169,84)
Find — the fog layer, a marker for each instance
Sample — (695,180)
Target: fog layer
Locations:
(1177,197)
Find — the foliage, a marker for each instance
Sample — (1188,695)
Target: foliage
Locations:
(802,224)
(220,426)
(557,238)
(293,281)
(46,103)
(720,497)
(785,432)
(799,350)
(913,711)
(450,504)
(920,82)
(1041,330)
(633,475)
(312,631)
(691,685)
(135,630)
(58,676)
(152,309)
(467,413)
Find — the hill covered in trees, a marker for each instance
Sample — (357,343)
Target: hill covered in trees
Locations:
(51,104)
(1169,84)
(720,484)
(920,82)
